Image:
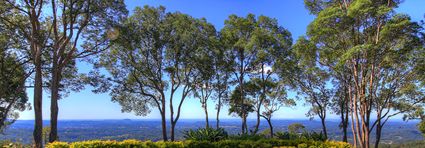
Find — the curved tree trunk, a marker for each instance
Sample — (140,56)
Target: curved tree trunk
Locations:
(270,126)
(245,126)
(258,123)
(218,111)
(324,127)
(186,91)
(260,101)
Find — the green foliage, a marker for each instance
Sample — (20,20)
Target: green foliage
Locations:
(265,133)
(13,96)
(421,127)
(296,128)
(263,143)
(297,131)
(253,137)
(240,104)
(252,44)
(159,52)
(206,134)
(358,39)
(287,135)
(315,136)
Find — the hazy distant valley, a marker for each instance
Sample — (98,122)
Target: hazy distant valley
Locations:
(77,130)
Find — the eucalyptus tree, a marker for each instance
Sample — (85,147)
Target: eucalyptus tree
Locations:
(204,88)
(214,69)
(155,59)
(13,96)
(340,105)
(187,35)
(136,64)
(253,45)
(27,17)
(221,79)
(236,36)
(13,74)
(311,80)
(240,105)
(276,98)
(376,46)
(58,33)
(273,43)
(206,64)
(91,22)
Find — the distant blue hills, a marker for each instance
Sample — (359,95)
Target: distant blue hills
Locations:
(395,131)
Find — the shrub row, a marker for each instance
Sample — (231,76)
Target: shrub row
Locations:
(263,143)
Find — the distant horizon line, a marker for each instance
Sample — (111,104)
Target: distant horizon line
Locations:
(211,121)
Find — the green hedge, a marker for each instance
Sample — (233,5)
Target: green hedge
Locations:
(264,143)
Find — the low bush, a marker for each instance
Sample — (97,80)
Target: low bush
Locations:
(263,143)
(314,136)
(206,134)
(7,143)
(246,137)
(286,136)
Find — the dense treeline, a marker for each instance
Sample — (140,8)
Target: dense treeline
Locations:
(359,59)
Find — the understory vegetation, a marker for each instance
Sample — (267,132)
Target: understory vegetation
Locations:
(263,143)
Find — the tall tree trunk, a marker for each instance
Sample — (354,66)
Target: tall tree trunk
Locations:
(260,101)
(245,124)
(163,121)
(241,83)
(325,132)
(54,107)
(173,125)
(344,130)
(218,111)
(353,129)
(172,112)
(257,124)
(344,136)
(271,127)
(343,123)
(185,92)
(344,111)
(244,128)
(207,125)
(378,133)
(36,51)
(38,101)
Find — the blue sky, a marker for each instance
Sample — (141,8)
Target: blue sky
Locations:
(290,14)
